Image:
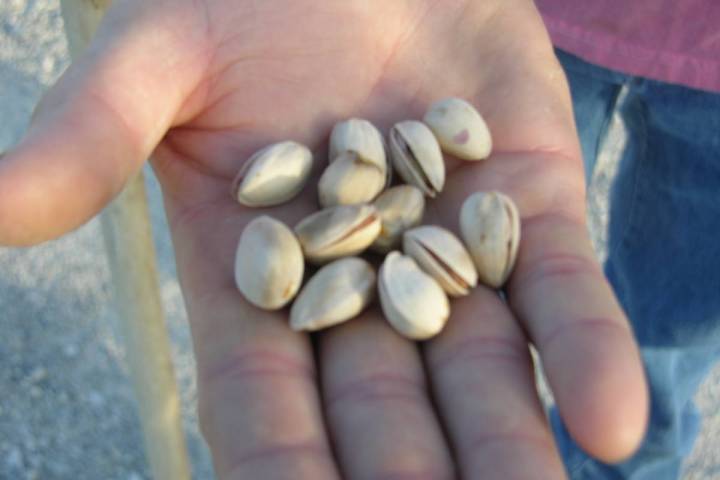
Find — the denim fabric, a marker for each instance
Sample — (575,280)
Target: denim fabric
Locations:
(663,250)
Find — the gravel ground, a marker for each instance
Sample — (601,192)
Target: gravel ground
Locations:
(66,406)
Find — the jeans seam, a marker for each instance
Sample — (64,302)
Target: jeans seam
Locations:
(640,158)
(602,134)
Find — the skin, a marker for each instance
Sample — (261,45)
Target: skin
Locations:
(200,85)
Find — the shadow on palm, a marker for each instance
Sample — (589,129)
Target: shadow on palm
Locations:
(305,80)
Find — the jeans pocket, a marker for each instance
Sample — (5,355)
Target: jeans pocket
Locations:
(664,259)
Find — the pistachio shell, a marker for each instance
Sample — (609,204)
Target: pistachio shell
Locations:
(273,175)
(349,180)
(336,293)
(459,128)
(417,157)
(359,136)
(443,256)
(269,264)
(490,226)
(413,303)
(400,208)
(388,169)
(338,231)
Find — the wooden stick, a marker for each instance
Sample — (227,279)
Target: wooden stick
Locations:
(128,238)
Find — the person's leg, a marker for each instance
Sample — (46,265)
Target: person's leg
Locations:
(664,264)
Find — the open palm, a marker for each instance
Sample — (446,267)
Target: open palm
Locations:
(201,85)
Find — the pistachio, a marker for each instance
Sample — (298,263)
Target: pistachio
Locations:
(336,293)
(417,157)
(359,136)
(338,231)
(413,303)
(400,208)
(350,180)
(269,263)
(459,128)
(490,226)
(388,169)
(443,256)
(273,175)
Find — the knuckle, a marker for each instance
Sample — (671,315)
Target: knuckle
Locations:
(587,325)
(257,363)
(481,349)
(291,454)
(556,265)
(378,387)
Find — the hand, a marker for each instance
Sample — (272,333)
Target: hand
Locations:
(200,85)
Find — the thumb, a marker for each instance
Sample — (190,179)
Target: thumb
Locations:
(93,130)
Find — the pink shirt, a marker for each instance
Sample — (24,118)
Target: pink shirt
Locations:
(676,41)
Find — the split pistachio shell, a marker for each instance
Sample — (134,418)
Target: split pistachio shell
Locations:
(336,293)
(350,180)
(273,175)
(413,303)
(269,264)
(490,226)
(443,256)
(359,136)
(388,169)
(400,208)
(338,231)
(417,157)
(460,129)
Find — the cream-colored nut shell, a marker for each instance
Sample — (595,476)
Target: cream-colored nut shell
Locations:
(349,180)
(443,256)
(388,168)
(338,292)
(338,231)
(416,156)
(412,301)
(490,227)
(359,136)
(460,129)
(400,208)
(269,263)
(273,175)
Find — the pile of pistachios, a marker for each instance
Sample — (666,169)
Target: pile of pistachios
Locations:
(362,211)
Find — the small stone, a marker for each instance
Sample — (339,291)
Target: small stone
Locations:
(37,375)
(70,350)
(95,399)
(14,459)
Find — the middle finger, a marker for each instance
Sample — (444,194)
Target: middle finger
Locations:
(381,420)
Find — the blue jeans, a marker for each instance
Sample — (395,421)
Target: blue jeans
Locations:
(663,250)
